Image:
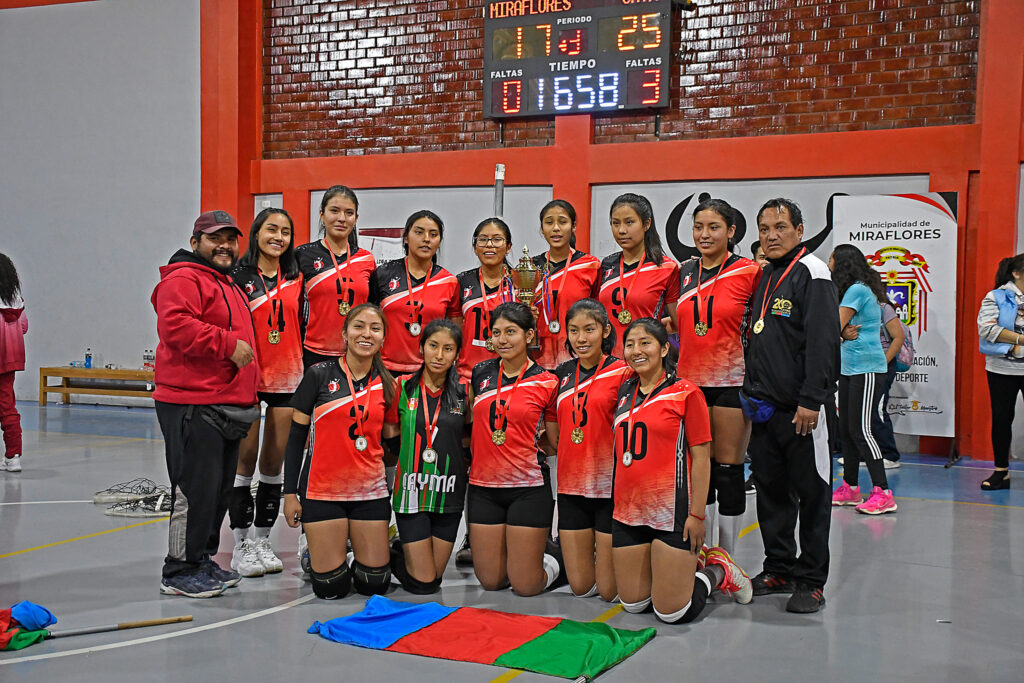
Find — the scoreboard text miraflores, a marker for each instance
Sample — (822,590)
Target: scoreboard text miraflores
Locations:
(544,57)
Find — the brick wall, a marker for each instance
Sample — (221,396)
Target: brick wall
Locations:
(375,76)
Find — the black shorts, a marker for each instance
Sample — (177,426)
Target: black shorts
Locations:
(722,397)
(274,400)
(530,506)
(363,510)
(580,512)
(419,526)
(624,536)
(311,358)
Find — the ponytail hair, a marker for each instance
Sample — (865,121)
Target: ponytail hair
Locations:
(652,242)
(450,394)
(569,209)
(386,378)
(347,193)
(595,310)
(657,330)
(1007,267)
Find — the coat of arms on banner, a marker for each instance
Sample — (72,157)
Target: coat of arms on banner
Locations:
(905,276)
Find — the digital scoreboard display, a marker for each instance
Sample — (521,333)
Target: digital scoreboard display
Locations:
(544,57)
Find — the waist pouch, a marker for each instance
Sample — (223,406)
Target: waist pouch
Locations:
(233,422)
(755,409)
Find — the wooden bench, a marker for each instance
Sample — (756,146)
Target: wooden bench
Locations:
(68,374)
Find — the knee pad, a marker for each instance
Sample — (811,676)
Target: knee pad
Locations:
(410,583)
(692,609)
(728,481)
(635,607)
(240,508)
(370,580)
(589,594)
(268,504)
(333,584)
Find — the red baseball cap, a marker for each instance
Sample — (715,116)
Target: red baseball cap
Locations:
(212,221)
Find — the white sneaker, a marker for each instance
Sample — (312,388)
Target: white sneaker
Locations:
(246,561)
(890,464)
(13,464)
(271,562)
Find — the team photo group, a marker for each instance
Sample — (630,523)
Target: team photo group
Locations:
(588,418)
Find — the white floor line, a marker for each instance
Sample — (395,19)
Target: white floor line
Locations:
(164,636)
(46,502)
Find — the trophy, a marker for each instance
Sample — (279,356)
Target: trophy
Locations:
(525,278)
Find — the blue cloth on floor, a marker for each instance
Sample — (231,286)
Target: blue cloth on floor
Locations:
(381,623)
(32,616)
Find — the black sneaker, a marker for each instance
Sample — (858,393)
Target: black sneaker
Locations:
(806,599)
(227,577)
(464,558)
(767,583)
(749,487)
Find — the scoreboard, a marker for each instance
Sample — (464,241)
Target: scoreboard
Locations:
(544,57)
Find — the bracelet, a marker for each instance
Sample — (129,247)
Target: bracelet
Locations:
(697,517)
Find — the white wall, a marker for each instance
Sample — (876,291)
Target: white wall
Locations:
(99,178)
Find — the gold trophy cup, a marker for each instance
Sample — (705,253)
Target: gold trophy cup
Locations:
(525,278)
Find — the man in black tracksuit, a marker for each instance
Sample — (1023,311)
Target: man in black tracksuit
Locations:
(791,361)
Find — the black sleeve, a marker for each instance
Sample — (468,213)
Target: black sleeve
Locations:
(374,297)
(304,398)
(821,327)
(293,453)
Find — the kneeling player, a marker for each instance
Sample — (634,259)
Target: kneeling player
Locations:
(662,468)
(343,490)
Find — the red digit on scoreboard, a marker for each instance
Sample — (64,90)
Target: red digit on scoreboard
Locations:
(571,42)
(654,84)
(512,97)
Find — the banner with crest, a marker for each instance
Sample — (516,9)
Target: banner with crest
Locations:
(911,240)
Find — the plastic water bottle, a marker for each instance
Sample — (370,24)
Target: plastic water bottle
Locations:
(88,357)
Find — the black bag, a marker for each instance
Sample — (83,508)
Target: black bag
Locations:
(233,422)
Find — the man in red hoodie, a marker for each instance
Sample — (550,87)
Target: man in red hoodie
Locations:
(205,395)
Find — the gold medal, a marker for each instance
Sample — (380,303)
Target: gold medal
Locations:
(489,344)
(701,328)
(759,326)
(344,307)
(576,435)
(274,337)
(627,459)
(625,317)
(498,436)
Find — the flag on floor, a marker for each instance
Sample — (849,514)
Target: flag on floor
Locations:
(547,645)
(24,624)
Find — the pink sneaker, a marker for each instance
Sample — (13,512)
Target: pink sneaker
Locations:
(878,503)
(846,495)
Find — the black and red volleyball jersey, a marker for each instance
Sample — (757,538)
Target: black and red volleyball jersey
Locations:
(587,401)
(476,319)
(642,291)
(653,487)
(324,322)
(334,469)
(567,282)
(404,305)
(275,317)
(723,303)
(516,462)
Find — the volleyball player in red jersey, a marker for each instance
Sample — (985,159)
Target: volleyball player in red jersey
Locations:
(270,278)
(713,315)
(639,281)
(510,503)
(662,462)
(483,289)
(580,423)
(571,276)
(339,492)
(413,291)
(337,275)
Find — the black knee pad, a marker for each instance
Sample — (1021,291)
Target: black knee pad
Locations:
(333,584)
(698,600)
(728,481)
(268,504)
(371,580)
(240,508)
(410,583)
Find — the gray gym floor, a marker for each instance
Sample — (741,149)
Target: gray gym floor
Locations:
(931,593)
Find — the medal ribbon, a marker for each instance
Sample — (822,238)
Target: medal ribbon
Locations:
(633,407)
(577,404)
(548,288)
(714,283)
(360,414)
(636,276)
(483,295)
(273,301)
(427,422)
(337,275)
(499,409)
(768,295)
(417,305)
